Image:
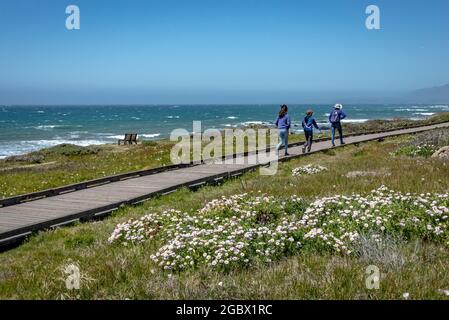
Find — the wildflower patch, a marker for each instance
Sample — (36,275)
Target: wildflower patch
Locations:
(244,229)
(308,170)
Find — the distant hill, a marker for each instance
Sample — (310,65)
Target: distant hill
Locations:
(431,95)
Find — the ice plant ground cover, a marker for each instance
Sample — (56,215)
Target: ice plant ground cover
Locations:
(308,170)
(423,150)
(247,228)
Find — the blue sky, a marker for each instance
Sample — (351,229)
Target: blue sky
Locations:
(217,51)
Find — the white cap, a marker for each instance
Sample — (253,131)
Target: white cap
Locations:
(338,106)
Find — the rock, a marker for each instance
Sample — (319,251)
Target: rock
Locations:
(442,153)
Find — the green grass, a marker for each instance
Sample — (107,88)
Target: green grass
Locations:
(35,270)
(69,164)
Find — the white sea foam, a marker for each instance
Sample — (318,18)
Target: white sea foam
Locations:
(47,127)
(116,137)
(442,107)
(173,117)
(425,113)
(54,126)
(20,147)
(248,123)
(55,142)
(150,135)
(355,120)
(232,117)
(411,109)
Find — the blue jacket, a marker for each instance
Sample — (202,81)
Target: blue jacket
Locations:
(284,122)
(341,115)
(308,123)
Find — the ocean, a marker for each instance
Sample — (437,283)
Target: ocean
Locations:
(29,128)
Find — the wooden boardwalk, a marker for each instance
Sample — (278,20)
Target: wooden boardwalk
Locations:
(19,220)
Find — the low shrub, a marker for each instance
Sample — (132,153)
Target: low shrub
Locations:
(149,143)
(71,150)
(425,150)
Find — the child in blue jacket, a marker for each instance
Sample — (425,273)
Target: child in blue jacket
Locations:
(308,124)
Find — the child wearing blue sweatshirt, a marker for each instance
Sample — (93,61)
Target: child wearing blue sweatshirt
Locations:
(308,124)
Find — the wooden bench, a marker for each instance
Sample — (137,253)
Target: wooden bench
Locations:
(130,138)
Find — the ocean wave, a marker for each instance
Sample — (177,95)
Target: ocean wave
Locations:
(411,109)
(355,120)
(46,127)
(145,135)
(21,147)
(172,117)
(55,126)
(231,117)
(248,123)
(425,113)
(55,142)
(423,108)
(442,107)
(116,137)
(150,135)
